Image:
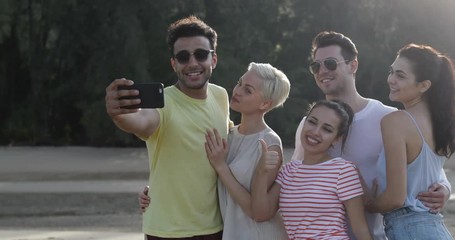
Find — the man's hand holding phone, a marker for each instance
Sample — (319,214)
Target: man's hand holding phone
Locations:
(113,103)
(123,96)
(151,95)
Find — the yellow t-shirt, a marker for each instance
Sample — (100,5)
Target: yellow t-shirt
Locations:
(183,192)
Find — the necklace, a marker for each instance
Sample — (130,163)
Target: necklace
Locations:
(413,103)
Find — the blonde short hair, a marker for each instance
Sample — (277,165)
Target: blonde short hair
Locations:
(275,84)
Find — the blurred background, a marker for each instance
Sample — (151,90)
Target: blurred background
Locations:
(57,57)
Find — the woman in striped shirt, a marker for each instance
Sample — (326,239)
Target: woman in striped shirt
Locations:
(315,194)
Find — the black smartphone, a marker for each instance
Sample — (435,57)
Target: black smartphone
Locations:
(151,95)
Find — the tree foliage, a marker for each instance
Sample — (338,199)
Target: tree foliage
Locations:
(58,56)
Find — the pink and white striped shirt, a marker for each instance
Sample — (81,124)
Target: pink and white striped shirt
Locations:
(311,198)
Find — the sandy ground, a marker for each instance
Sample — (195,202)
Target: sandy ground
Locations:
(77,193)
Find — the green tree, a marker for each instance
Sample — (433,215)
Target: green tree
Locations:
(57,57)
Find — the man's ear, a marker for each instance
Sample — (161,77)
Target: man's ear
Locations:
(354,65)
(214,60)
(173,64)
(424,85)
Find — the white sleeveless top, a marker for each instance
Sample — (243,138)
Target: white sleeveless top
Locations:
(421,173)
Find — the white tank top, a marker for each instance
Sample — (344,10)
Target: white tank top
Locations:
(421,173)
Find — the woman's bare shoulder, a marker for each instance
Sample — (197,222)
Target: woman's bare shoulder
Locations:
(398,121)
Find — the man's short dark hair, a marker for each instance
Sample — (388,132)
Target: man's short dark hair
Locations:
(329,38)
(190,26)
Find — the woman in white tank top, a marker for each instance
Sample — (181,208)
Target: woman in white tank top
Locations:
(417,141)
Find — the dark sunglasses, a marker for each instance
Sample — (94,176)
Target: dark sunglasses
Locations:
(330,64)
(200,54)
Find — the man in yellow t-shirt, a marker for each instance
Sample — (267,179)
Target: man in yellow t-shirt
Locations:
(183,193)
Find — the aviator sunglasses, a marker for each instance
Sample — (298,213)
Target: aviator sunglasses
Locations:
(330,64)
(200,54)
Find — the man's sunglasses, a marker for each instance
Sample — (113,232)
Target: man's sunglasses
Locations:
(200,54)
(330,64)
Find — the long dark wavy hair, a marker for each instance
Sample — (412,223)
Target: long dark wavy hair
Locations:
(428,63)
